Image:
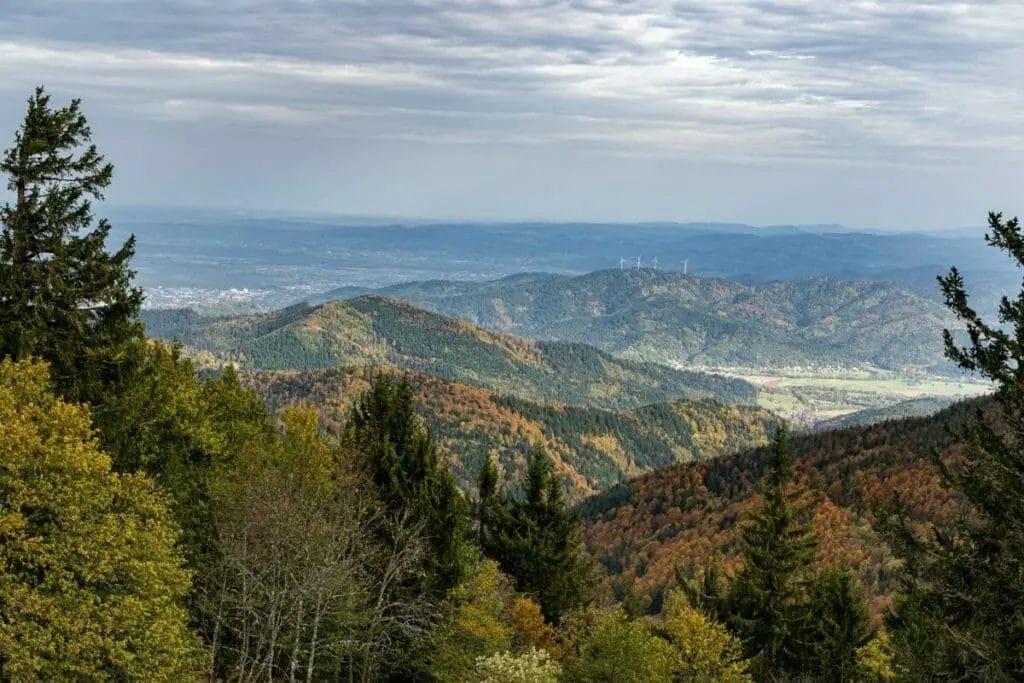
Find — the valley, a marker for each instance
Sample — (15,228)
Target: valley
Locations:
(822,399)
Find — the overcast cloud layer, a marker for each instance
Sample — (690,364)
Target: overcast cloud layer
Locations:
(894,114)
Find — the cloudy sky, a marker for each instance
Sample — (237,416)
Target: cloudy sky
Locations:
(875,114)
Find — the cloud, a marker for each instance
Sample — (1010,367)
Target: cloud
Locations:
(810,81)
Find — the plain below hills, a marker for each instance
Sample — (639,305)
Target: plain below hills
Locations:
(374,330)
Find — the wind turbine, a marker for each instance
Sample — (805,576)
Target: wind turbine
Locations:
(654,264)
(685,263)
(622,263)
(638,263)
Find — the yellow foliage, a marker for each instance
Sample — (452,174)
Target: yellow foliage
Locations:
(90,576)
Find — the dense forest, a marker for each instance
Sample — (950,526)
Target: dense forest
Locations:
(161,524)
(373,330)
(671,317)
(592,448)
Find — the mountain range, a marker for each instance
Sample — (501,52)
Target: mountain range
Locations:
(669,317)
(373,330)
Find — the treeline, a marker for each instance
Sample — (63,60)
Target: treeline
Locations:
(155,525)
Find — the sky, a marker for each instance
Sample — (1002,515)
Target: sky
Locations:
(890,114)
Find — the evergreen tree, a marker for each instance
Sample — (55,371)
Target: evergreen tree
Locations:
(839,625)
(412,480)
(767,604)
(63,297)
(962,616)
(487,499)
(536,540)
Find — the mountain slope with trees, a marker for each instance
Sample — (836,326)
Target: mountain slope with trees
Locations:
(677,518)
(591,448)
(669,317)
(371,330)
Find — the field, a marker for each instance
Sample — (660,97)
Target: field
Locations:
(808,397)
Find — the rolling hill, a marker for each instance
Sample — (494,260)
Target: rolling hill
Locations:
(687,516)
(592,448)
(374,330)
(668,317)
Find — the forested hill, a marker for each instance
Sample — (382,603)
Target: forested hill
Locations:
(592,448)
(373,330)
(670,317)
(683,515)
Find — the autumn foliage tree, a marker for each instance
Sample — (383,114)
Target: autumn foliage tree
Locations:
(91,583)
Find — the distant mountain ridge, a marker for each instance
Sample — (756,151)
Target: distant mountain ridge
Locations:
(592,448)
(374,330)
(668,317)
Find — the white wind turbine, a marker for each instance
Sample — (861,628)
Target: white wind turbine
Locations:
(685,264)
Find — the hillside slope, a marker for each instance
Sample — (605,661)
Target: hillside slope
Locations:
(669,317)
(593,448)
(687,516)
(373,330)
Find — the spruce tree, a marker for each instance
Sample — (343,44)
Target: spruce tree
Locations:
(767,604)
(962,616)
(536,540)
(412,480)
(839,625)
(63,297)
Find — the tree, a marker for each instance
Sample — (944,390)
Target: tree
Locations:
(536,541)
(964,586)
(767,605)
(63,297)
(839,627)
(305,587)
(410,476)
(475,624)
(615,649)
(532,666)
(91,583)
(706,651)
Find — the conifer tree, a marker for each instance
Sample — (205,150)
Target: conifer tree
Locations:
(838,627)
(536,541)
(412,480)
(767,604)
(63,297)
(961,617)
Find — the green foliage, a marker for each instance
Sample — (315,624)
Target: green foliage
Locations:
(91,583)
(875,660)
(536,541)
(474,624)
(766,604)
(63,298)
(303,583)
(411,479)
(839,625)
(706,651)
(532,666)
(961,616)
(615,649)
